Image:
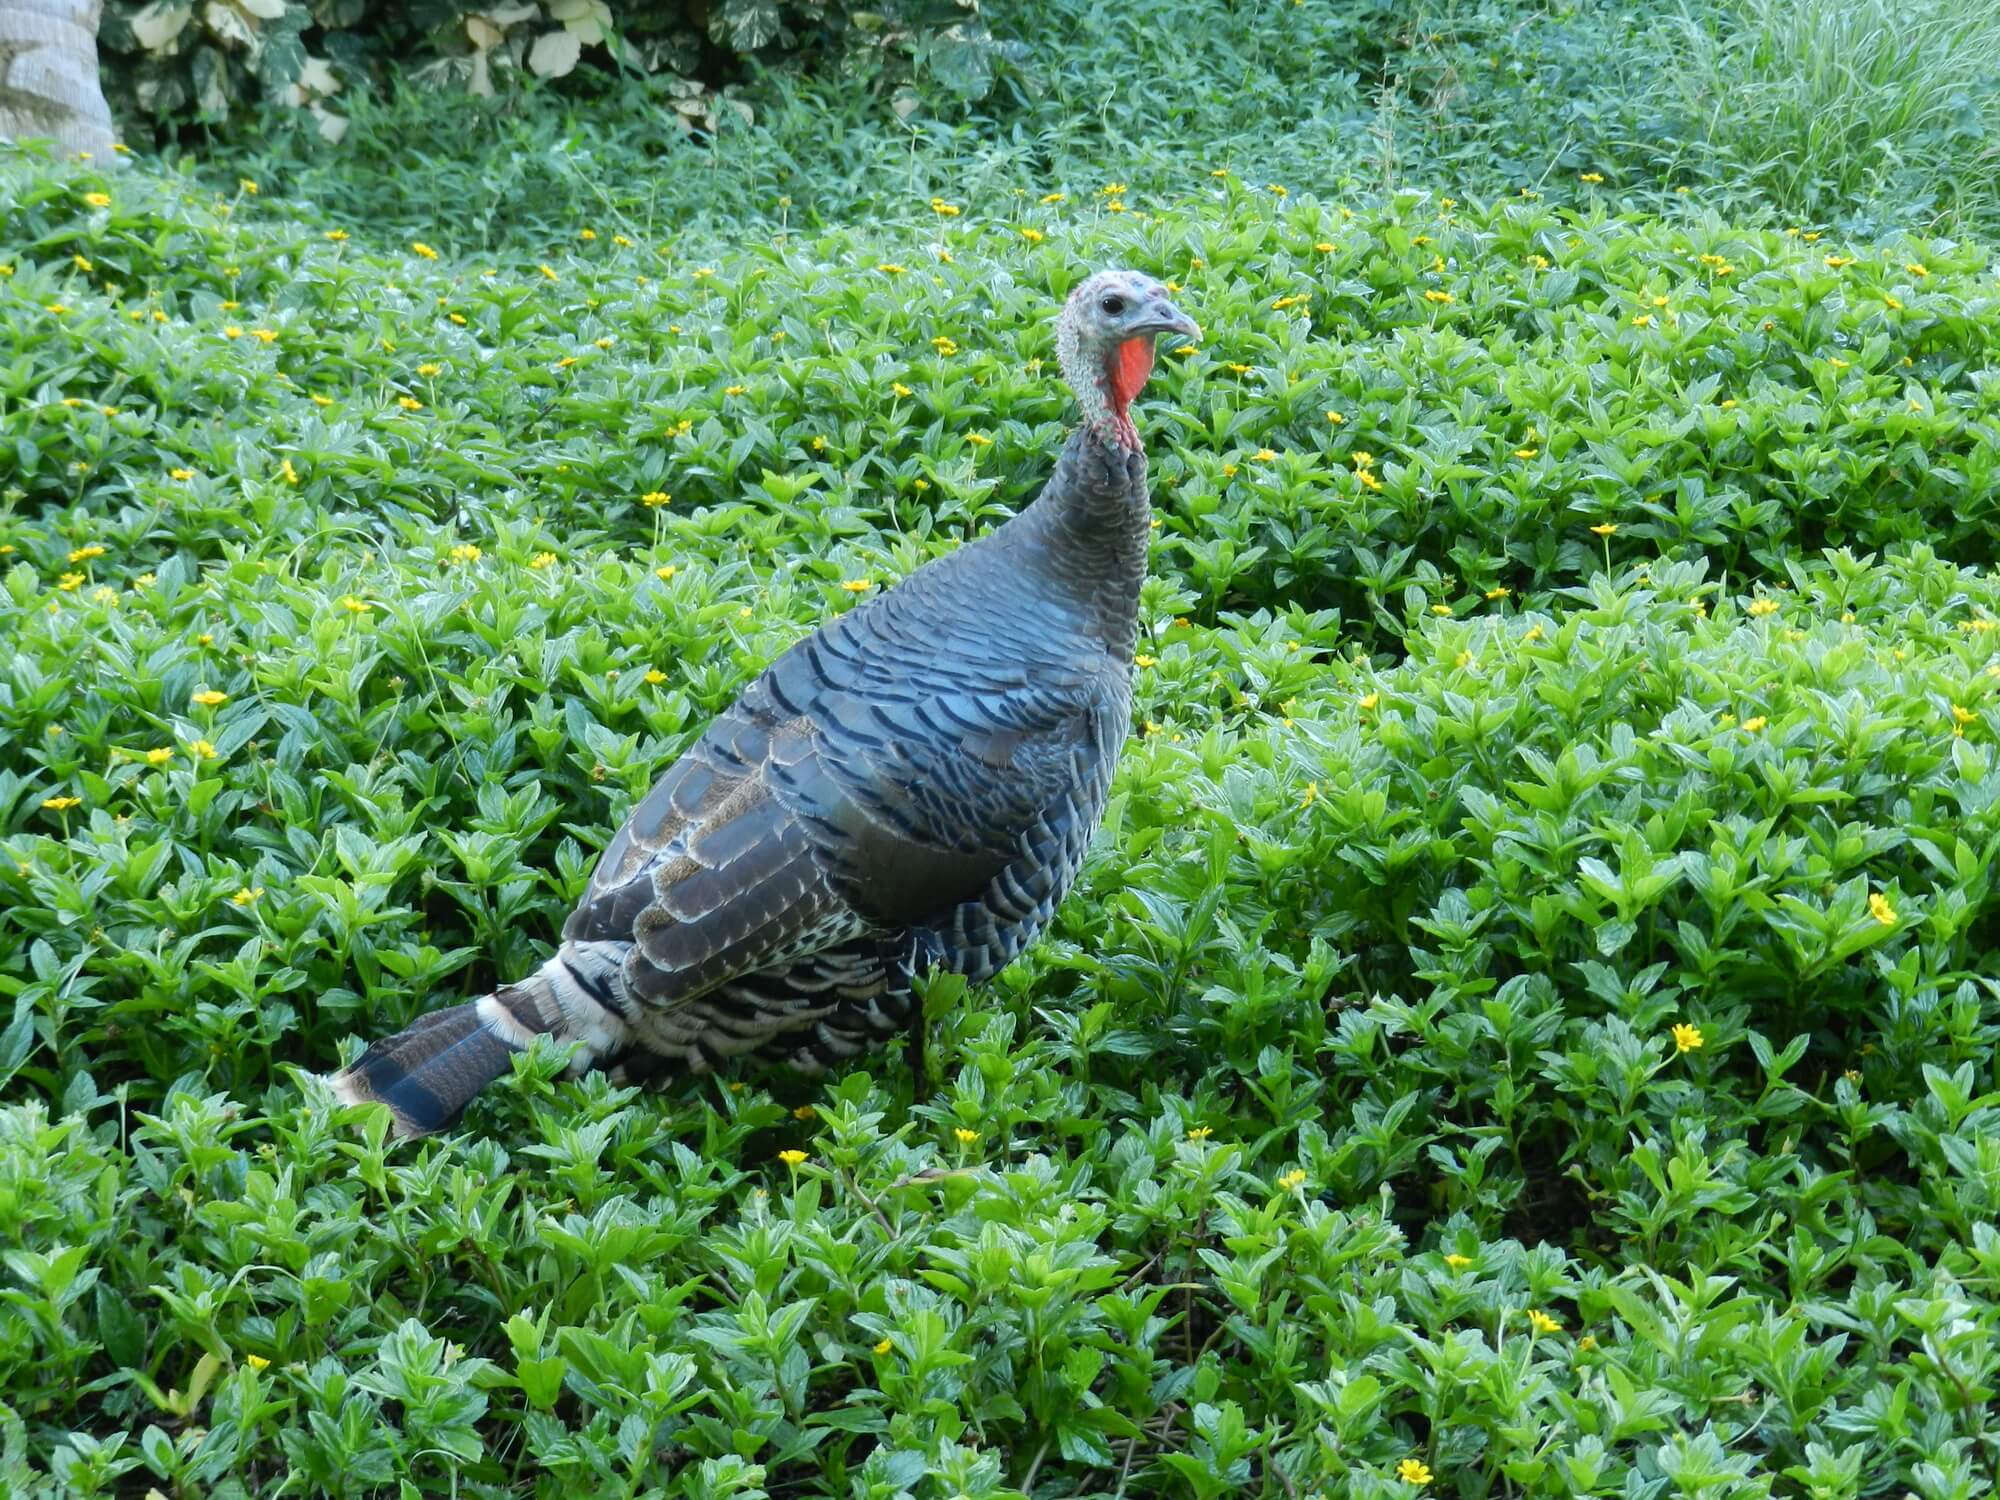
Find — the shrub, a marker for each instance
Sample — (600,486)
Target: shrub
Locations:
(174,60)
(1538,1040)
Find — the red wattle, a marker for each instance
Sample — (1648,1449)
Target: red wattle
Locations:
(1134,365)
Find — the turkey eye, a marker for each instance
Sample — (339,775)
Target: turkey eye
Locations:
(1113,304)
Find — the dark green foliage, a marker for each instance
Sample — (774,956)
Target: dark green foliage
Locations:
(1530,1015)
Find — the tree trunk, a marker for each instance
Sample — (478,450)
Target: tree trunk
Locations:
(48,75)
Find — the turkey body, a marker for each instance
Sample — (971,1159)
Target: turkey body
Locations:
(912,785)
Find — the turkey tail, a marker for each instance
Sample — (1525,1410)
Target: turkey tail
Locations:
(428,1072)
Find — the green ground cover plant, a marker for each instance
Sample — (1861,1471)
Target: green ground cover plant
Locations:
(1528,1027)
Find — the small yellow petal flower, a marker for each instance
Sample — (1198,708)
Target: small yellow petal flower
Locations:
(1687,1038)
(1761,607)
(965,1137)
(654,498)
(1458,1262)
(1591,177)
(791,1158)
(210,698)
(1754,723)
(1201,1132)
(655,676)
(1441,298)
(409,403)
(1541,1322)
(355,606)
(428,369)
(884,1347)
(1414,1470)
(858,585)
(1604,528)
(159,755)
(542,560)
(1880,909)
(1292,1179)
(420,248)
(256,1362)
(61,804)
(1916,268)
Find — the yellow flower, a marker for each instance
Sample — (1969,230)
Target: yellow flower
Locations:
(247,895)
(965,1137)
(1368,479)
(420,248)
(1836,361)
(664,574)
(900,389)
(1458,1262)
(1336,419)
(1729,405)
(1880,909)
(202,750)
(159,755)
(58,308)
(1326,247)
(654,676)
(355,606)
(1498,591)
(1201,1132)
(1590,177)
(247,186)
(1838,262)
(264,335)
(287,473)
(81,264)
(319,400)
(465,552)
(1754,723)
(890,268)
(604,343)
(1917,269)
(548,272)
(1642,320)
(1687,1038)
(1414,1470)
(620,241)
(1442,611)
(1292,1179)
(944,209)
(944,346)
(1438,297)
(70,582)
(542,560)
(1541,1322)
(884,1346)
(210,698)
(1894,304)
(858,585)
(1370,700)
(256,1362)
(1264,456)
(1033,236)
(1534,633)
(734,390)
(85,554)
(1526,452)
(336,235)
(1762,607)
(700,273)
(98,200)
(1604,528)
(655,498)
(1275,189)
(1055,197)
(430,369)
(61,804)
(791,1158)
(232,332)
(1539,262)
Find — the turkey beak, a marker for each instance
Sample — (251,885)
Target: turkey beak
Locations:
(1164,317)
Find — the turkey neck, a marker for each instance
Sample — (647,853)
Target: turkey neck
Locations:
(1088,532)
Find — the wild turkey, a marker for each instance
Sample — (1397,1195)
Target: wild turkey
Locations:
(912,785)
